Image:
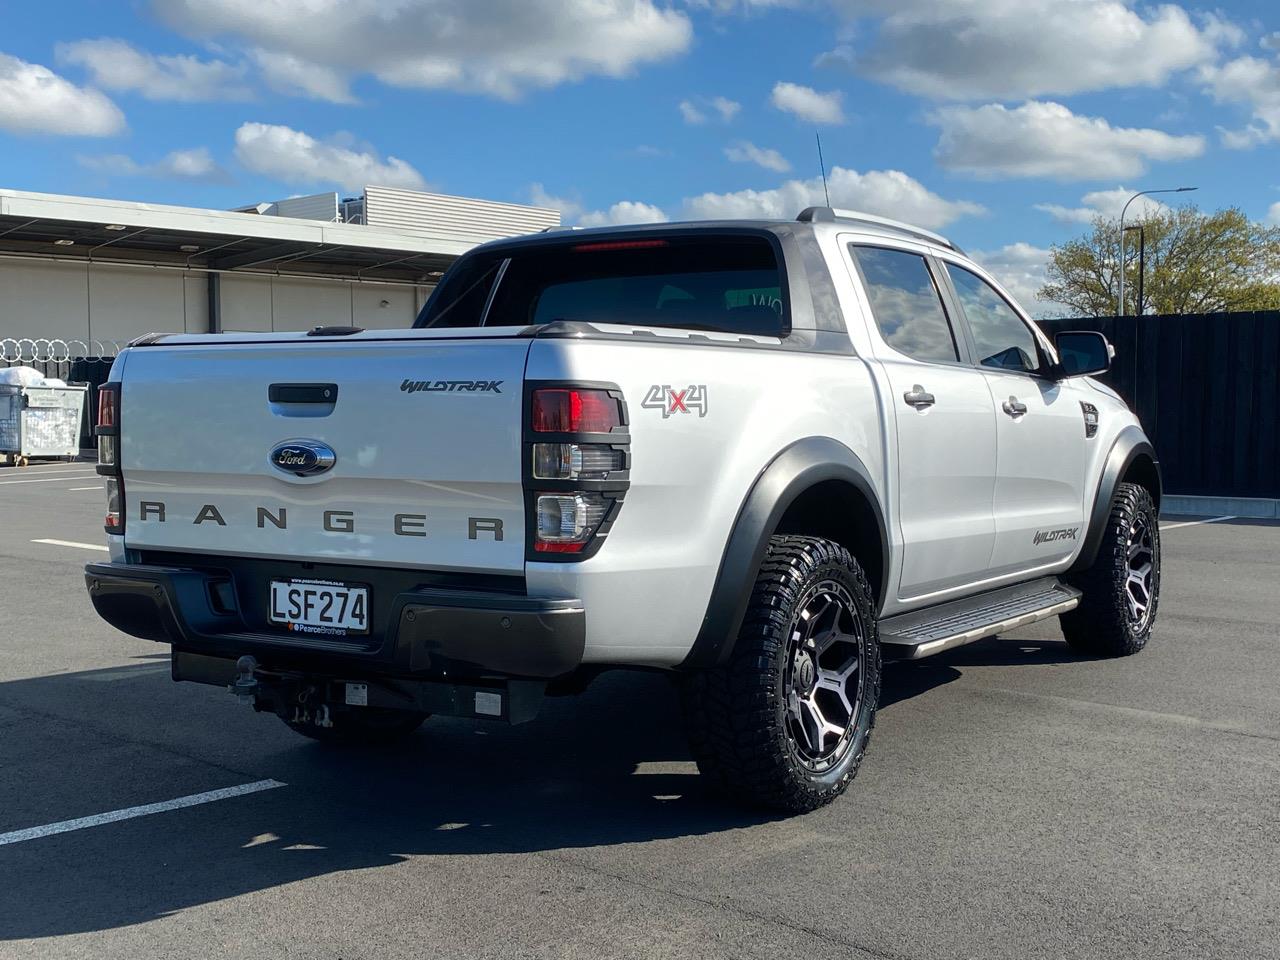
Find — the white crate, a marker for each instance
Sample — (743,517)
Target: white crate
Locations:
(41,421)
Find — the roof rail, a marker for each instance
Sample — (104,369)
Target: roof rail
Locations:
(830,214)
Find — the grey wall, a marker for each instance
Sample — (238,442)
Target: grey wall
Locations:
(58,300)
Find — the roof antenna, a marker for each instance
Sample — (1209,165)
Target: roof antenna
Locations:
(823,167)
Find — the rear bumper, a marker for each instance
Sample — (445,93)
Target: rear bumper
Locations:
(427,633)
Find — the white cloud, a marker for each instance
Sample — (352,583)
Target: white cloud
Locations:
(572,211)
(890,193)
(728,109)
(292,156)
(1044,139)
(807,103)
(624,211)
(1273,215)
(747,152)
(196,164)
(1020,269)
(116,65)
(691,114)
(1013,49)
(291,75)
(34,99)
(695,110)
(1255,83)
(501,48)
(1105,203)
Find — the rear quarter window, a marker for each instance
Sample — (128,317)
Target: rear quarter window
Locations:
(731,284)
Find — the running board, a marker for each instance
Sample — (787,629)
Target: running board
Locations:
(922,633)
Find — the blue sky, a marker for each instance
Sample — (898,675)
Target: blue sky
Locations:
(1004,123)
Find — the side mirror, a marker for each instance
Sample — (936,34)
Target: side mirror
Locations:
(1082,353)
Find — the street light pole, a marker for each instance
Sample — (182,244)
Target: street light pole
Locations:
(1142,263)
(1143,193)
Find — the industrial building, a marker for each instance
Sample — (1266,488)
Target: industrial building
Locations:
(97,273)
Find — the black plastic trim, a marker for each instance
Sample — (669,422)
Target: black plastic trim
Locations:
(1128,446)
(800,466)
(302,393)
(427,632)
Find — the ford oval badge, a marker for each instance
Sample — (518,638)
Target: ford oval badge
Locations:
(303,458)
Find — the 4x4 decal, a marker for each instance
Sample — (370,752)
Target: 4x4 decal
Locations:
(670,400)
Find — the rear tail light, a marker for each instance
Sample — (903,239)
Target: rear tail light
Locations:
(566,521)
(576,461)
(108,434)
(114,520)
(577,464)
(573,410)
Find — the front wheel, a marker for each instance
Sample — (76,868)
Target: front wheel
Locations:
(785,722)
(1122,588)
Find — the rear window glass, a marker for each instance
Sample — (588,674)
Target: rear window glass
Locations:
(728,284)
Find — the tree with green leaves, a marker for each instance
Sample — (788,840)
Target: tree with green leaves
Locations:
(1195,263)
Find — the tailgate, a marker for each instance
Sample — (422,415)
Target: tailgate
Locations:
(425,436)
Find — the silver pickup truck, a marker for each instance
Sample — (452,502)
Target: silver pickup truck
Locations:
(760,456)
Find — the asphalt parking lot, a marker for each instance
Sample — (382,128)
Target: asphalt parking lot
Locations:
(1017,802)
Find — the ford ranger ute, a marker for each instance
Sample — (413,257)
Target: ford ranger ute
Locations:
(759,456)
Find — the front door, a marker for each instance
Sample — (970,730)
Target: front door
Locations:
(1039,491)
(945,420)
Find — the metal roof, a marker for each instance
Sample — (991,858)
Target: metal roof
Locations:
(51,226)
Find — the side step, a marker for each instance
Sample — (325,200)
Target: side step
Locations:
(922,633)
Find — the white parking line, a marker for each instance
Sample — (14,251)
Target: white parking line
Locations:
(1194,523)
(72,543)
(77,489)
(129,813)
(62,479)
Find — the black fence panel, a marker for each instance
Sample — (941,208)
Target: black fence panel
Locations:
(1206,389)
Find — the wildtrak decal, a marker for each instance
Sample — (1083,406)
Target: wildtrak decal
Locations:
(1047,536)
(451,386)
(671,400)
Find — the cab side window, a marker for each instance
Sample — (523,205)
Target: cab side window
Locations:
(1002,339)
(905,303)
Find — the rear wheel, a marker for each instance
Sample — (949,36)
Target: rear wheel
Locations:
(367,725)
(785,723)
(1122,588)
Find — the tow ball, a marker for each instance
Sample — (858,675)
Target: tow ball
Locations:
(246,686)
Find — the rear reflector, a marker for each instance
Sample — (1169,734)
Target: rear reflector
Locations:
(560,410)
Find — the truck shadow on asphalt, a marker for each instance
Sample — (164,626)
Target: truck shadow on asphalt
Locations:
(608,768)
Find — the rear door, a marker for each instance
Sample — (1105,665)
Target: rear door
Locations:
(424,428)
(946,446)
(1041,445)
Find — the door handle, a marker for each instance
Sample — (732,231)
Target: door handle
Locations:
(1013,407)
(918,397)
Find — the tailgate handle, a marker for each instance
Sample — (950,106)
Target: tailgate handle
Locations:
(303,393)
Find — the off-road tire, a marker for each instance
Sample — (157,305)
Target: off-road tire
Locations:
(737,714)
(365,726)
(1104,624)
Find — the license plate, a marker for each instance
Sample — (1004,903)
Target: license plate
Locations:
(321,607)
